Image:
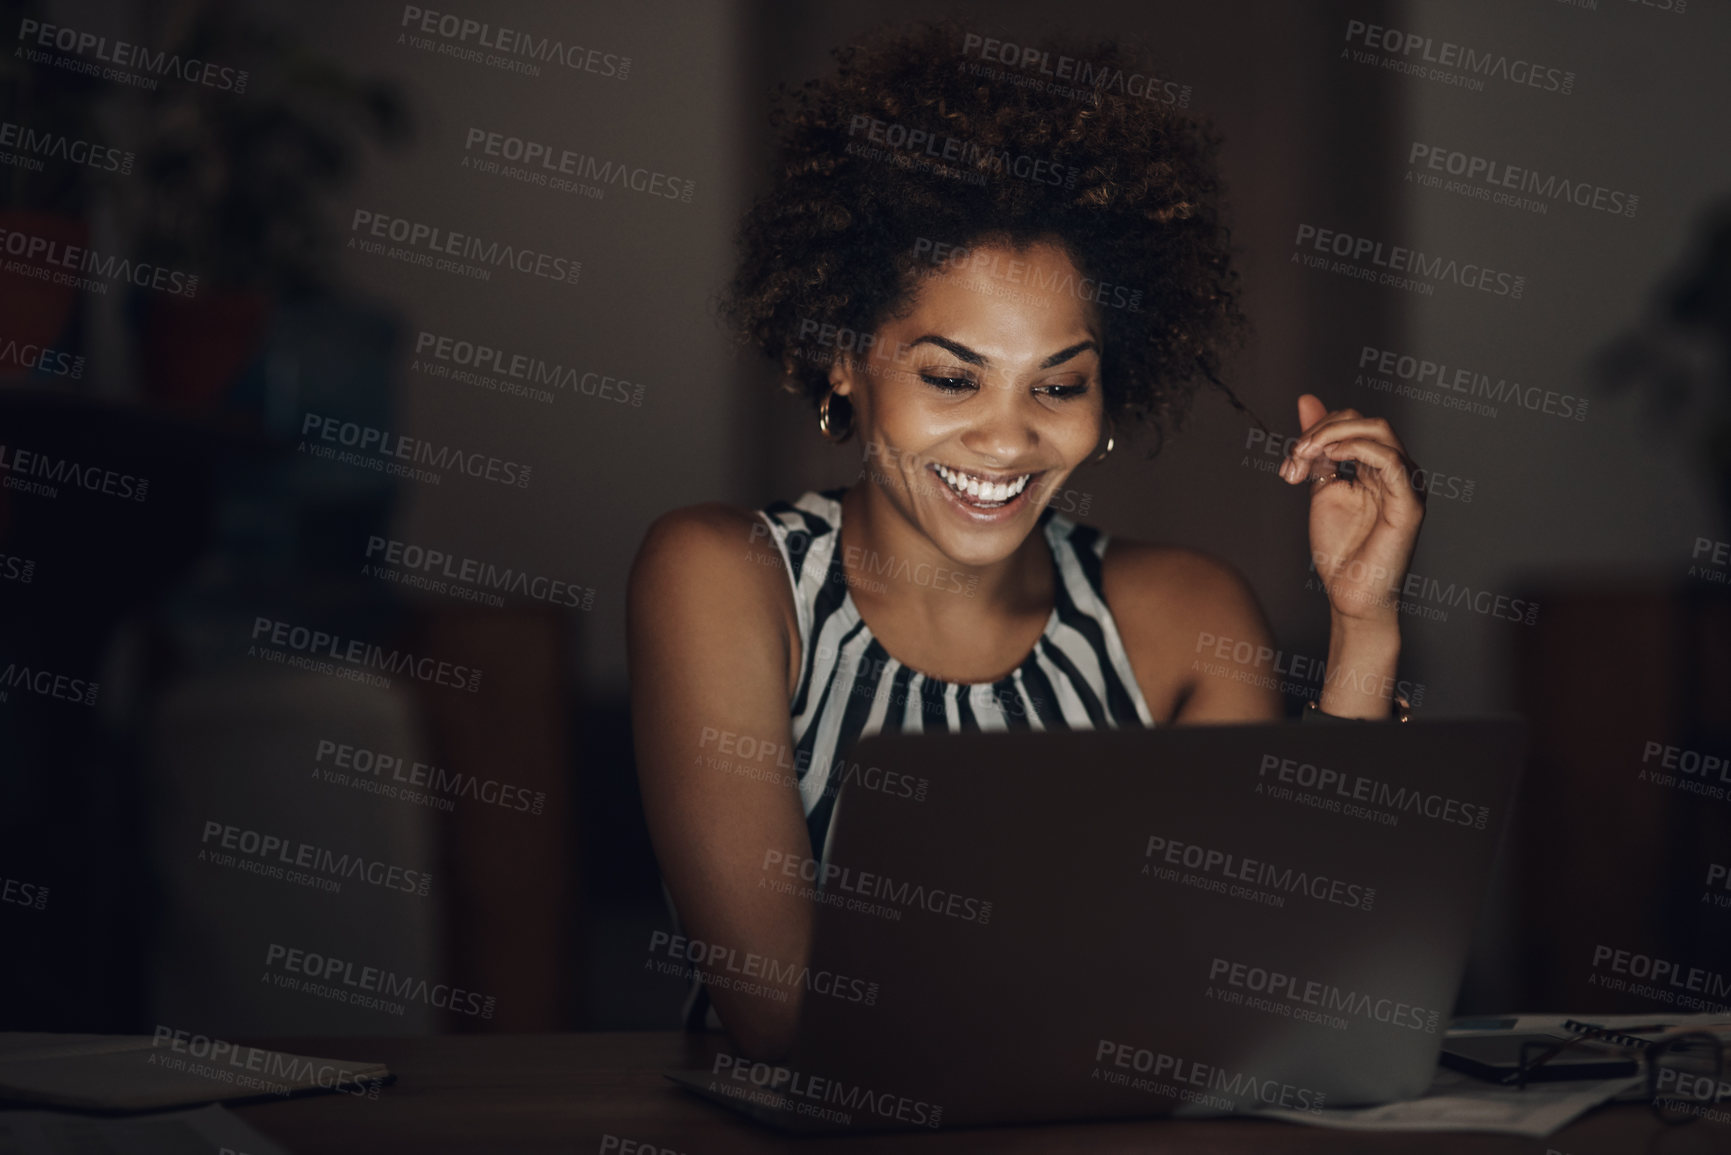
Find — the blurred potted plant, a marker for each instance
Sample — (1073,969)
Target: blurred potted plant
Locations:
(1679,354)
(47,195)
(233,186)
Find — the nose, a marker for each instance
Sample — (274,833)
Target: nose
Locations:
(1001,431)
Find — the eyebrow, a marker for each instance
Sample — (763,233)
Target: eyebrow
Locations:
(973,358)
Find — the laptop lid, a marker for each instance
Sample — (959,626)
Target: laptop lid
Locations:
(1091,924)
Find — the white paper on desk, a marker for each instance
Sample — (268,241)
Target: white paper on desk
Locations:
(200,1132)
(138,1073)
(1457,1101)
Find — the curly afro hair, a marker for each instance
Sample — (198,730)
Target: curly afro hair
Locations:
(912,146)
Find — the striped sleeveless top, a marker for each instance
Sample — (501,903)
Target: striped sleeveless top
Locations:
(1077,676)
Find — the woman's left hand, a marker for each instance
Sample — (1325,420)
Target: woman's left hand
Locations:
(1363,530)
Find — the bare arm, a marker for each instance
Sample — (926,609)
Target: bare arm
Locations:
(708,621)
(1363,531)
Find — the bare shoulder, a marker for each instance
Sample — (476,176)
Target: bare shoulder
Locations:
(712,528)
(1171,602)
(713,545)
(1153,581)
(713,569)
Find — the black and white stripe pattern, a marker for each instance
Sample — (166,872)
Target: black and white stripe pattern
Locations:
(1077,676)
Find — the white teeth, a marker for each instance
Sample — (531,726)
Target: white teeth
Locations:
(985,492)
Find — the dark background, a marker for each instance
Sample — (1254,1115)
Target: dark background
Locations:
(1596,521)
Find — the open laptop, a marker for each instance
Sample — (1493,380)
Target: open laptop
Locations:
(1068,925)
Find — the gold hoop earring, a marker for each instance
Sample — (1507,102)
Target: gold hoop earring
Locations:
(1111,439)
(823,425)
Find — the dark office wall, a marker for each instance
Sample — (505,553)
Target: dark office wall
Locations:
(1595,520)
(1590,525)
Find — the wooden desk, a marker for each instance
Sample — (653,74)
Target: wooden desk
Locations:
(566,1093)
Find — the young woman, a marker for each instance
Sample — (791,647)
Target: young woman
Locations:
(984,284)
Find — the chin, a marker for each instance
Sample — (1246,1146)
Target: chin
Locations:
(968,551)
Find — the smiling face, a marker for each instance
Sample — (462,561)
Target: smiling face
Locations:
(978,403)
